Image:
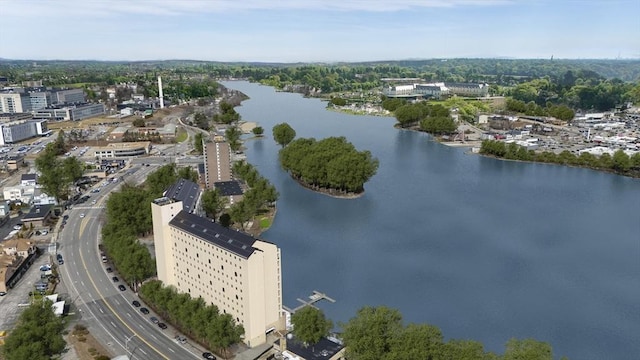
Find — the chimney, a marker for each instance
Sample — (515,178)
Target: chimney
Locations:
(160,95)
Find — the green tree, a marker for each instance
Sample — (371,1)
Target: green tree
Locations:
(60,145)
(38,334)
(283,134)
(310,325)
(197,143)
(212,203)
(56,176)
(188,173)
(258,131)
(371,333)
(620,162)
(527,349)
(417,341)
(201,121)
(233,134)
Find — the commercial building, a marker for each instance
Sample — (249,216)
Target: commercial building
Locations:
(13,132)
(11,117)
(437,90)
(186,191)
(71,112)
(239,274)
(14,102)
(69,96)
(120,150)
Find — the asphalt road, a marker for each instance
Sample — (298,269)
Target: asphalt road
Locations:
(107,310)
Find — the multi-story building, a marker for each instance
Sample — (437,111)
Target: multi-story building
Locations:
(217,161)
(14,102)
(11,117)
(436,90)
(72,112)
(239,274)
(70,96)
(13,132)
(39,100)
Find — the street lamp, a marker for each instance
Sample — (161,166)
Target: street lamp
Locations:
(126,345)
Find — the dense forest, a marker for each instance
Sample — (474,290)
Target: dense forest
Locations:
(331,165)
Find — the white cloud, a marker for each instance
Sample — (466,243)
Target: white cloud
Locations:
(100,8)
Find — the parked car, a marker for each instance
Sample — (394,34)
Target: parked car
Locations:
(162,326)
(109,270)
(136,303)
(144,310)
(122,288)
(115,279)
(153,319)
(208,356)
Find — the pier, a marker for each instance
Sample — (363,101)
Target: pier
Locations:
(313,298)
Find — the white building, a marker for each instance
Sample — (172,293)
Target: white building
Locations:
(239,274)
(14,102)
(71,112)
(13,132)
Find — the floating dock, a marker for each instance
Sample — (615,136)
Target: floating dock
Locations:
(313,298)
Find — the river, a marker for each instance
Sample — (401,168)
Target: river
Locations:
(482,248)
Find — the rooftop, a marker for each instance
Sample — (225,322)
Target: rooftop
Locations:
(322,350)
(186,191)
(228,188)
(38,212)
(235,241)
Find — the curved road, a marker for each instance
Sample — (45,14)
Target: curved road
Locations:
(107,309)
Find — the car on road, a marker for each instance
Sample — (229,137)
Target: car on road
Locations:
(109,270)
(59,258)
(136,303)
(82,215)
(17,226)
(95,190)
(181,339)
(115,279)
(144,310)
(162,326)
(93,202)
(208,356)
(153,319)
(122,288)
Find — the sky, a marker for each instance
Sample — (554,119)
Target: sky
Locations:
(318,30)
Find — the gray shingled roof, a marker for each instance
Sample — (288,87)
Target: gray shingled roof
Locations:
(228,188)
(235,241)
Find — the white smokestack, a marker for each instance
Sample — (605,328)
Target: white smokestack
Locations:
(160,95)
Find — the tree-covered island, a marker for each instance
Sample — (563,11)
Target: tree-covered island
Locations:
(331,166)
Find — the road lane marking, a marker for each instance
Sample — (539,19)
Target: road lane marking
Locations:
(129,314)
(153,336)
(142,351)
(101,310)
(114,325)
(84,264)
(173,351)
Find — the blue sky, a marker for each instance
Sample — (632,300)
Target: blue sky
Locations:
(318,30)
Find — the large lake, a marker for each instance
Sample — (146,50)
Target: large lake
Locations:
(482,248)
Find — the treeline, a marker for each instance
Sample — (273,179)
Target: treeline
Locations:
(38,334)
(379,333)
(562,112)
(620,163)
(128,217)
(260,196)
(583,89)
(331,164)
(432,118)
(193,316)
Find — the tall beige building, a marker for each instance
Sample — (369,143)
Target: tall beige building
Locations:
(239,274)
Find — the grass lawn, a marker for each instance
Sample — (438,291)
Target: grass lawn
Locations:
(181,135)
(264,223)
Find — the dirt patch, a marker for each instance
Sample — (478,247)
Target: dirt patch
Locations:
(85,346)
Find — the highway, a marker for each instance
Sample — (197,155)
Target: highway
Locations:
(107,311)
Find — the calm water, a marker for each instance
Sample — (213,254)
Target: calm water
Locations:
(482,248)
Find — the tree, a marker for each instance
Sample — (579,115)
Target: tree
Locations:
(371,333)
(283,134)
(310,325)
(527,349)
(56,176)
(197,142)
(201,121)
(212,203)
(139,122)
(258,131)
(59,145)
(417,341)
(232,135)
(620,162)
(188,173)
(38,334)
